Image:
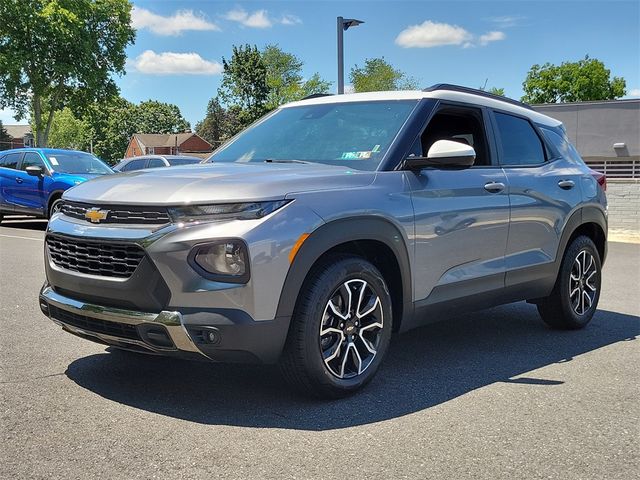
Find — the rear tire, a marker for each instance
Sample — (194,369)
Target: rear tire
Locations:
(1,217)
(340,329)
(575,296)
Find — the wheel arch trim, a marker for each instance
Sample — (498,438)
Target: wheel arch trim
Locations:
(338,232)
(583,216)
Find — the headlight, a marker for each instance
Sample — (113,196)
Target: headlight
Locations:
(225,260)
(224,211)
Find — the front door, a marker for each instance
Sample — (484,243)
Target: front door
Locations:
(30,196)
(461,215)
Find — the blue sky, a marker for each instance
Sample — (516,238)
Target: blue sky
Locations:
(463,42)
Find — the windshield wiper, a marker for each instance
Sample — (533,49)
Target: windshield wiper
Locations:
(273,160)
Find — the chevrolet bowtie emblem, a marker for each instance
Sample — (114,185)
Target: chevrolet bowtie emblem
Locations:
(95,215)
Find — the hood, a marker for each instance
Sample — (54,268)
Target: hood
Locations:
(75,178)
(216,183)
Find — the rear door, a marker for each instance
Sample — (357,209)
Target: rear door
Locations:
(10,181)
(544,190)
(461,215)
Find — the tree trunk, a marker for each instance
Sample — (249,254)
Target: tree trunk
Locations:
(48,127)
(39,138)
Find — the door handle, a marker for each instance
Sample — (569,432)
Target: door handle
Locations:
(18,180)
(494,187)
(566,184)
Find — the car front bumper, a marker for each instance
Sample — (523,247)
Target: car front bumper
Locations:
(229,336)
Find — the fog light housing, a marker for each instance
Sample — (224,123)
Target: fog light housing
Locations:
(225,260)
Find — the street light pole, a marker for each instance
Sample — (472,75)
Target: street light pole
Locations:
(342,25)
(340,56)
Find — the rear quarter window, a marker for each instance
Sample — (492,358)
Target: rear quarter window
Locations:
(561,144)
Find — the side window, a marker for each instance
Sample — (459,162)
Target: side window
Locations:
(459,124)
(561,144)
(135,165)
(519,141)
(156,162)
(31,159)
(10,160)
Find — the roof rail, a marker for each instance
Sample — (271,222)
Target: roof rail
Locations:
(475,91)
(317,95)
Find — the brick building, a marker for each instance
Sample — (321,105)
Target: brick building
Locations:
(167,144)
(21,136)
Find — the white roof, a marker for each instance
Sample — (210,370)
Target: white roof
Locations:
(436,94)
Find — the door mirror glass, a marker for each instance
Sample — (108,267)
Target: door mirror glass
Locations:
(35,171)
(443,154)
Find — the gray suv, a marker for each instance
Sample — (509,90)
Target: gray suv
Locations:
(328,225)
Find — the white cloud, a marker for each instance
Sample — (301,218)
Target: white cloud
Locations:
(290,20)
(431,34)
(171,25)
(507,21)
(257,19)
(171,63)
(491,37)
(634,92)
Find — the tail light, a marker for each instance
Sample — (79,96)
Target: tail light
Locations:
(601,178)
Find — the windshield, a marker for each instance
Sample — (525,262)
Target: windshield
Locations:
(77,163)
(353,134)
(183,161)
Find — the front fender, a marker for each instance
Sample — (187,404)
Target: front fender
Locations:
(338,232)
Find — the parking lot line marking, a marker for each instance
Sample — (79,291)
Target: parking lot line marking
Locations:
(24,238)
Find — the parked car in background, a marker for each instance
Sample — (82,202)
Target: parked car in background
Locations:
(154,161)
(32,180)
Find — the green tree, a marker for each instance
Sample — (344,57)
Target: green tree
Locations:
(244,84)
(586,79)
(378,75)
(67,131)
(62,53)
(158,117)
(285,80)
(113,121)
(219,124)
(5,139)
(496,91)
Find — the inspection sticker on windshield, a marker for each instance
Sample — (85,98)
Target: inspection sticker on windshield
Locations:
(53,160)
(356,155)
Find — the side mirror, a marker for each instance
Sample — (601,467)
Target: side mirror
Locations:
(35,171)
(444,154)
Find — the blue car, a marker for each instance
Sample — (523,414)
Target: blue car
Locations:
(32,180)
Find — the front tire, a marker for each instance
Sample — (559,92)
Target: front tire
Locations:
(54,207)
(575,296)
(340,329)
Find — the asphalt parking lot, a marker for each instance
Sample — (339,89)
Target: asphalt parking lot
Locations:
(492,395)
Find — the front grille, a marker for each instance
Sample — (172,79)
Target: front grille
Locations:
(95,257)
(129,215)
(121,330)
